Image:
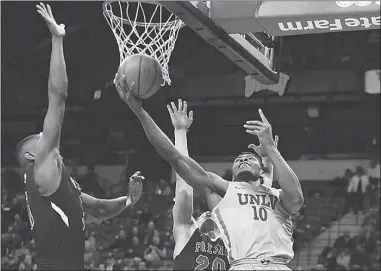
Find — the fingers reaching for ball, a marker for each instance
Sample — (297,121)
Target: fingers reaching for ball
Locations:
(126,93)
(116,82)
(120,83)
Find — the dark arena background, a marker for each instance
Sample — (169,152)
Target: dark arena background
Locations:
(327,117)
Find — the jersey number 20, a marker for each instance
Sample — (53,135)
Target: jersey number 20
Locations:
(203,263)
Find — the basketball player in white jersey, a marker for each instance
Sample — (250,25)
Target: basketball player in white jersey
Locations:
(255,219)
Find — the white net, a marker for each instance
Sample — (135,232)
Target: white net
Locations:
(143,28)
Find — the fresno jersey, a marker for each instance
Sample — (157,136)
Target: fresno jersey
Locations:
(57,223)
(254,223)
(201,253)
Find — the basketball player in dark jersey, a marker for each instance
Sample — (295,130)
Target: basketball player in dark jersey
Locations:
(197,243)
(55,202)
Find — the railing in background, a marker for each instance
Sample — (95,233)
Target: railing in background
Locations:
(308,255)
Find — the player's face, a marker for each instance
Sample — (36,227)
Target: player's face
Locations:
(246,167)
(206,224)
(30,148)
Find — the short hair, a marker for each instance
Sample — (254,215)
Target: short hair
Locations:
(256,155)
(22,142)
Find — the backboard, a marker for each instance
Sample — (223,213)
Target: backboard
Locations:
(244,30)
(246,50)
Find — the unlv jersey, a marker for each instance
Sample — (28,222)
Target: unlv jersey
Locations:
(254,223)
(201,253)
(57,223)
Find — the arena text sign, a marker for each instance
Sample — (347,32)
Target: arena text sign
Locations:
(343,23)
(345,4)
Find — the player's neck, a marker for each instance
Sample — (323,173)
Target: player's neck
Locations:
(212,235)
(255,183)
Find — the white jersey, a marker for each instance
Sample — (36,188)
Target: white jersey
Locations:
(254,223)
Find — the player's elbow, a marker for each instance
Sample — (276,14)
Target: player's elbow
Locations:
(58,80)
(58,91)
(175,157)
(298,203)
(178,161)
(184,197)
(300,200)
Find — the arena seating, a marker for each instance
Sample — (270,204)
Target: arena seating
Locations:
(321,209)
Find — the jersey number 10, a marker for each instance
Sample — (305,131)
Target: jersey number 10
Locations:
(203,263)
(260,214)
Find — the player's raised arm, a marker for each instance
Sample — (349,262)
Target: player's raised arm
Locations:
(268,177)
(46,170)
(183,208)
(291,196)
(189,170)
(108,208)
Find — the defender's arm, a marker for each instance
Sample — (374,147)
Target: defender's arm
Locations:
(47,173)
(183,208)
(189,170)
(107,208)
(104,208)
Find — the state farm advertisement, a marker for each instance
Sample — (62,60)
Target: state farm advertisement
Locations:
(307,17)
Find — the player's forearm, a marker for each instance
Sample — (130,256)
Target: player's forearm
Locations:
(181,142)
(191,172)
(268,172)
(287,178)
(183,191)
(156,136)
(58,81)
(182,146)
(108,208)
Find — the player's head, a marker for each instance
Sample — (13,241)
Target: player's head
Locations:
(26,149)
(207,225)
(247,167)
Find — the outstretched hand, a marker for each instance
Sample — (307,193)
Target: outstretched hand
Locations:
(179,115)
(125,92)
(135,188)
(263,130)
(260,149)
(47,15)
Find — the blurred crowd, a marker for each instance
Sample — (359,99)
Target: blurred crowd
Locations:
(361,252)
(360,187)
(141,237)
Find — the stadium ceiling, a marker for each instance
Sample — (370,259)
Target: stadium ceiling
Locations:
(91,51)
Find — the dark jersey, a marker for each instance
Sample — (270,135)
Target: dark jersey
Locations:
(201,253)
(57,223)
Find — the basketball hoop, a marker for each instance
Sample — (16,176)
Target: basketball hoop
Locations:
(143,28)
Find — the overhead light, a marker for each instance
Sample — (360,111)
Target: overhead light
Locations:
(313,111)
(372,82)
(97,94)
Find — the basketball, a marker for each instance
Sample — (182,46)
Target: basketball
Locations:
(145,72)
